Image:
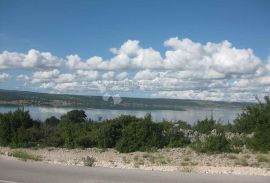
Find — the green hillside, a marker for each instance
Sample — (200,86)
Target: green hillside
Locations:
(12,97)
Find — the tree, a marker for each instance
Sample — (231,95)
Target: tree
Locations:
(140,136)
(5,129)
(205,126)
(75,116)
(52,121)
(256,118)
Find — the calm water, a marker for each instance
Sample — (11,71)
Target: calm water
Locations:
(190,115)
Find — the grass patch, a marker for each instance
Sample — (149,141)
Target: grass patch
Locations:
(186,163)
(25,156)
(231,156)
(146,155)
(241,162)
(156,159)
(160,160)
(247,156)
(137,161)
(152,159)
(194,163)
(125,160)
(262,159)
(136,158)
(186,168)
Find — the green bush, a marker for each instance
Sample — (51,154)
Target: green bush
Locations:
(140,136)
(85,141)
(256,118)
(212,144)
(205,126)
(178,140)
(237,143)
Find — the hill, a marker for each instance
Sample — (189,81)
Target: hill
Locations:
(26,98)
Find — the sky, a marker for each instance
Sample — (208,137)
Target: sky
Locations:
(209,50)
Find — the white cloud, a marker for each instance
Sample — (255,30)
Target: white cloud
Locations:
(108,75)
(228,59)
(74,62)
(122,76)
(22,77)
(192,94)
(47,85)
(268,64)
(46,74)
(42,76)
(187,69)
(88,75)
(130,48)
(65,78)
(33,59)
(145,75)
(67,86)
(4,77)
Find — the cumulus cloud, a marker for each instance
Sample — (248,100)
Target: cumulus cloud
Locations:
(130,48)
(88,75)
(46,74)
(22,77)
(4,77)
(187,69)
(145,75)
(108,75)
(122,76)
(65,78)
(41,76)
(33,59)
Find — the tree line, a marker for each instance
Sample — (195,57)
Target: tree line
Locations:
(129,133)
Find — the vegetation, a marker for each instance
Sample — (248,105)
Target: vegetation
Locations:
(213,144)
(25,156)
(256,119)
(261,158)
(241,162)
(129,133)
(88,161)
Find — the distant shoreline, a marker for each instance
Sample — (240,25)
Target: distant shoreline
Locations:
(25,98)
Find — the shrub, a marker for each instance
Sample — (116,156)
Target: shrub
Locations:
(141,136)
(256,118)
(205,126)
(85,142)
(212,144)
(88,161)
(183,125)
(178,139)
(241,162)
(237,143)
(261,158)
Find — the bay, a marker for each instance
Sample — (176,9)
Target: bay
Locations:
(190,115)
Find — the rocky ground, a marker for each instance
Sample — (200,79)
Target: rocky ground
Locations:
(177,159)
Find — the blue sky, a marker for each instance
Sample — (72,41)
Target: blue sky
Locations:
(91,28)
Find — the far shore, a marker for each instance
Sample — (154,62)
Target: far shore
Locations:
(173,159)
